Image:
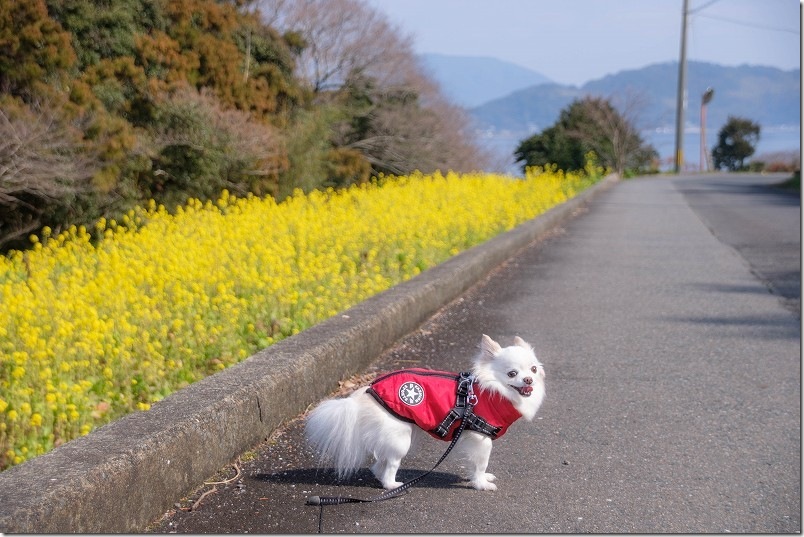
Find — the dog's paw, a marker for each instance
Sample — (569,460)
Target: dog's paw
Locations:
(391,485)
(490,477)
(483,484)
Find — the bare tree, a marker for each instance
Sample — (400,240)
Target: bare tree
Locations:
(612,134)
(42,163)
(411,124)
(255,141)
(226,147)
(408,136)
(342,37)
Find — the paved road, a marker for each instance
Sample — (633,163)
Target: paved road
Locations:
(673,399)
(762,224)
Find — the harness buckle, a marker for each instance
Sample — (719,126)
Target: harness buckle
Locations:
(471,398)
(465,401)
(465,382)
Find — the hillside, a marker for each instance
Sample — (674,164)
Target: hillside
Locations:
(528,110)
(105,106)
(470,81)
(766,95)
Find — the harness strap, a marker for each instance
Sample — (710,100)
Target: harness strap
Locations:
(475,422)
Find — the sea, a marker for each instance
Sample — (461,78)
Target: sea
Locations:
(772,140)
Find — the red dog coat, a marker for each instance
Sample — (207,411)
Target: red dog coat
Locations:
(425,397)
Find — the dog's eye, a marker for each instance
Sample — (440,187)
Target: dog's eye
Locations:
(534,369)
(512,373)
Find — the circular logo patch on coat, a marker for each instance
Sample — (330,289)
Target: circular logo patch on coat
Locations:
(411,393)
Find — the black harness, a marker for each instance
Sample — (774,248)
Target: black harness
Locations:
(465,395)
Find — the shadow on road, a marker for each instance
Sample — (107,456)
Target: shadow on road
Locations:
(362,479)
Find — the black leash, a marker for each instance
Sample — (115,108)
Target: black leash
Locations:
(393,493)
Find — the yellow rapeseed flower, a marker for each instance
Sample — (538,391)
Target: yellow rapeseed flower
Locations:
(92,329)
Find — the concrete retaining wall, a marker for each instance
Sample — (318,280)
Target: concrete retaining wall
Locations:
(124,475)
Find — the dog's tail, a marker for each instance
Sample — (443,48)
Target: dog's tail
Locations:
(333,429)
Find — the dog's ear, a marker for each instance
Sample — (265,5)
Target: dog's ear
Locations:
(488,347)
(519,342)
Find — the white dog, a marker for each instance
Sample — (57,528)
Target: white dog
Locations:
(385,419)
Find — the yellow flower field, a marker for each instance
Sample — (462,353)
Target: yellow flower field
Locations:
(94,328)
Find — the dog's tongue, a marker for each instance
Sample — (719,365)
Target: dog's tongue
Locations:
(526,390)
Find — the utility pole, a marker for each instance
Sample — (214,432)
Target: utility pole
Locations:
(705,98)
(681,103)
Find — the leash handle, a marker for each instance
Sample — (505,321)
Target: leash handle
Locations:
(332,500)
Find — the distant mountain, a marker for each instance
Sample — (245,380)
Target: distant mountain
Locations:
(470,81)
(527,110)
(766,95)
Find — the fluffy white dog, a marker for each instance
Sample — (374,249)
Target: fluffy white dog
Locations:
(385,419)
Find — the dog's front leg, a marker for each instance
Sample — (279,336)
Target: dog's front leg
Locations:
(477,450)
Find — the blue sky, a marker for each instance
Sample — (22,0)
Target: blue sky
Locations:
(574,41)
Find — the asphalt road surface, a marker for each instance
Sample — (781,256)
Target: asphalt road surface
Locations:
(668,319)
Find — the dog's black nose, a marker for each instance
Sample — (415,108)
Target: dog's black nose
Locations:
(527,380)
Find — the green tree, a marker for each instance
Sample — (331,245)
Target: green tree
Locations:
(552,146)
(105,30)
(35,51)
(589,124)
(736,142)
(141,58)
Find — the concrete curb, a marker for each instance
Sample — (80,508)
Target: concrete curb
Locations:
(124,475)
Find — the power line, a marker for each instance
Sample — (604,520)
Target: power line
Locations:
(749,24)
(699,8)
